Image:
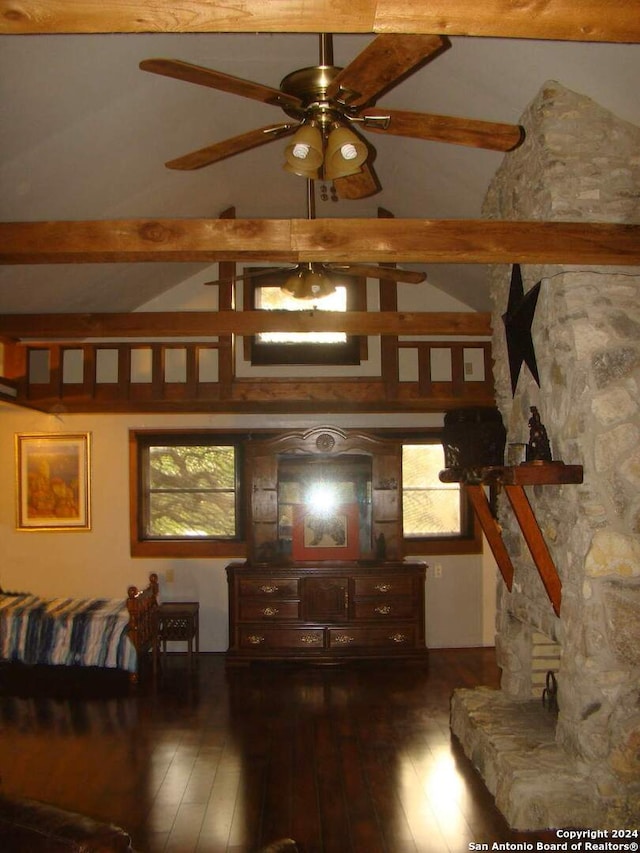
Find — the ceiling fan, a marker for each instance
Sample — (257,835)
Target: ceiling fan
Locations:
(329,106)
(312,280)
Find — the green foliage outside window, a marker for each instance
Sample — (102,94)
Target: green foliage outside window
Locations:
(191,491)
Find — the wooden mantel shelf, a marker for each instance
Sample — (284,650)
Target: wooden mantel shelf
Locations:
(513,479)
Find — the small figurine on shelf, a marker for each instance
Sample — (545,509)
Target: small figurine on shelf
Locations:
(538,448)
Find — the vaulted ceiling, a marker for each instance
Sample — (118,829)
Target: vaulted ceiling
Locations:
(85,134)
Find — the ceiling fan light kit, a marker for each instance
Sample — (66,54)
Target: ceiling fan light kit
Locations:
(299,167)
(309,282)
(345,153)
(309,156)
(306,146)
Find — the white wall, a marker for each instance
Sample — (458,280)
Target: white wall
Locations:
(461,600)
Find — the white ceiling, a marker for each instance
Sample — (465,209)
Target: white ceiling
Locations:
(84,134)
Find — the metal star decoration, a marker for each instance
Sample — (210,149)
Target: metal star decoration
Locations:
(518,320)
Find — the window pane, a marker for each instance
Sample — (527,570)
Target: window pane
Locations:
(192,467)
(191,491)
(192,514)
(273,298)
(434,512)
(421,465)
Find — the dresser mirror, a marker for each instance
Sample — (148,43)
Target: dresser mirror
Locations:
(324,507)
(324,495)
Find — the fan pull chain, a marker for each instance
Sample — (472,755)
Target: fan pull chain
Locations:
(324,193)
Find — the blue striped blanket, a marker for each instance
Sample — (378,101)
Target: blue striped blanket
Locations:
(66,631)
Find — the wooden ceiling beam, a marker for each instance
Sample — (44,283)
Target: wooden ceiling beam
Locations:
(190,324)
(573,20)
(329,240)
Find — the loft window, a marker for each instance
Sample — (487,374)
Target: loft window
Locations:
(188,494)
(273,298)
(264,292)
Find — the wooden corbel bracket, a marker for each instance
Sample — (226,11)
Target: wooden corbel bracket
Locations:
(514,479)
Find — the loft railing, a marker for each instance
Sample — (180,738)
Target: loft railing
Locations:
(415,375)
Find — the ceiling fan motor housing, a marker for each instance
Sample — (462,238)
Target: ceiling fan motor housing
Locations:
(310,86)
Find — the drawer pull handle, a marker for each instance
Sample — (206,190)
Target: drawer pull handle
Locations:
(398,638)
(343,639)
(270,611)
(382,587)
(268,588)
(310,639)
(383,609)
(255,639)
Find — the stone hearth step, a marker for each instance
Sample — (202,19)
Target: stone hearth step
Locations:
(511,743)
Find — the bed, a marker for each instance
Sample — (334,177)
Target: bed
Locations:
(88,632)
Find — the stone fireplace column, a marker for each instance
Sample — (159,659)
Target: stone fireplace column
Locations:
(578,162)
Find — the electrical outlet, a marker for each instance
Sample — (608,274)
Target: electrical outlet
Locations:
(437,570)
(168,575)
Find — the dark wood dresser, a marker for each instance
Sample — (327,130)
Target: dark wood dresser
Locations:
(326,612)
(325,582)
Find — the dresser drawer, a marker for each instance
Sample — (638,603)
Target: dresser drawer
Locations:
(262,638)
(397,636)
(252,609)
(402,585)
(269,587)
(385,608)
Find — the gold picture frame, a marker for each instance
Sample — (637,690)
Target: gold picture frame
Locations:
(53,481)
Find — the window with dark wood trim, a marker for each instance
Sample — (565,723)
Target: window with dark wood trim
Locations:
(437,517)
(259,350)
(187,490)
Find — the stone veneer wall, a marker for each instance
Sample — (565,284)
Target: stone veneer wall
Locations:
(578,163)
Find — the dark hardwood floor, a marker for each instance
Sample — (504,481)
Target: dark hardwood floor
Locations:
(355,758)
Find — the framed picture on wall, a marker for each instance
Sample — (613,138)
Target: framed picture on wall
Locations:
(330,535)
(53,481)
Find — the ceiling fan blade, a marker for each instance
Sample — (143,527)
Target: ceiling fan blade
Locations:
(460,131)
(254,273)
(361,185)
(382,64)
(218,80)
(234,145)
(384,273)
